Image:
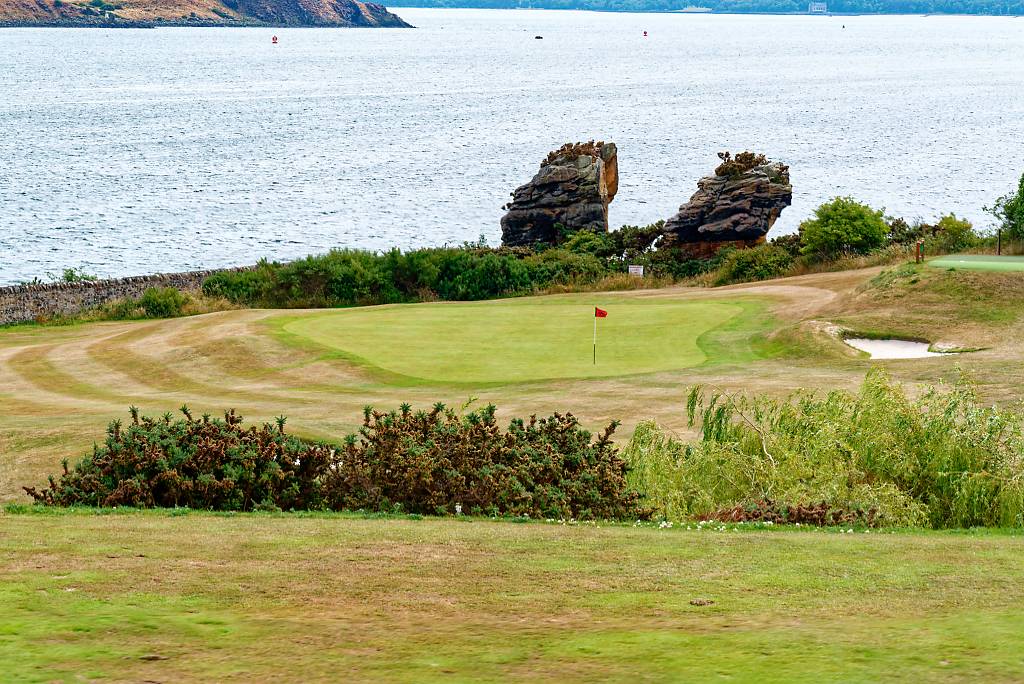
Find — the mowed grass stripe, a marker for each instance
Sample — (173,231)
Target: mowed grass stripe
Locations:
(524,340)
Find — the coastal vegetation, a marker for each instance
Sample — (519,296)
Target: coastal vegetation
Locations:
(842,226)
(840,230)
(874,457)
(437,462)
(1008,210)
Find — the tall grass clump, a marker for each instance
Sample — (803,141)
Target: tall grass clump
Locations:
(877,456)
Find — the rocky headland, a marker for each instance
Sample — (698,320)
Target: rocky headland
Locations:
(570,192)
(146,13)
(736,206)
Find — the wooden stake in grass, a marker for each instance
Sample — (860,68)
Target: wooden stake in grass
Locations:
(598,313)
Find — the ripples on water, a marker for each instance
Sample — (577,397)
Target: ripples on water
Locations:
(128,151)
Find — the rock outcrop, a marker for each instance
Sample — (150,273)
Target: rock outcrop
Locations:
(736,206)
(133,13)
(573,188)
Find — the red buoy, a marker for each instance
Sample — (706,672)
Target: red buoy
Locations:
(274,40)
(645,34)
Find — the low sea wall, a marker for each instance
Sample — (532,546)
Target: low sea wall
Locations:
(23,303)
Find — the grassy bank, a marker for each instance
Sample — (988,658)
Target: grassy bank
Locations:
(197,597)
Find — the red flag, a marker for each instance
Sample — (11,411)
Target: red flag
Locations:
(600,313)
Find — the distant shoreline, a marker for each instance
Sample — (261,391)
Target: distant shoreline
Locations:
(178,24)
(713,12)
(256,24)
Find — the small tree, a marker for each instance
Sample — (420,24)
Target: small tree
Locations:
(1009,211)
(952,234)
(842,226)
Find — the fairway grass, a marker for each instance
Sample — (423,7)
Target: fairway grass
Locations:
(162,596)
(979,262)
(532,339)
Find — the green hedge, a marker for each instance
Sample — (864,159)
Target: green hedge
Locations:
(352,277)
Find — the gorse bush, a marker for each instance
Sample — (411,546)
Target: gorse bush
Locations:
(434,462)
(431,462)
(941,460)
(199,463)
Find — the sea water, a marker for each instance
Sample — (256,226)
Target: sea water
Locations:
(133,151)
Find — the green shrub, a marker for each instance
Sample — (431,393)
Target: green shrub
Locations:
(757,263)
(1009,212)
(951,235)
(843,226)
(562,267)
(249,287)
(357,277)
(73,275)
(942,460)
(434,462)
(791,242)
(163,302)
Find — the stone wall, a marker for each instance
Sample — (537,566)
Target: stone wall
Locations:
(23,303)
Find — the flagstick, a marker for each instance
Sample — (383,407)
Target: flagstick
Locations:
(595,337)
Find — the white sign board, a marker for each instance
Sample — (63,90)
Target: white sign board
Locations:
(637,271)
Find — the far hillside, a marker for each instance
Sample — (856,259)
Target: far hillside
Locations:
(992,7)
(341,13)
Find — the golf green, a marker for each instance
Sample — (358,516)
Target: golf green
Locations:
(979,262)
(535,338)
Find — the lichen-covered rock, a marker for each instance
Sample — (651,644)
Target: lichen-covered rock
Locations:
(573,188)
(736,206)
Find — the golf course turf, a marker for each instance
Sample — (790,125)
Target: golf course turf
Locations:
(533,338)
(979,262)
(186,596)
(165,596)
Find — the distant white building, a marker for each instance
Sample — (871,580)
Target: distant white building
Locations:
(817,8)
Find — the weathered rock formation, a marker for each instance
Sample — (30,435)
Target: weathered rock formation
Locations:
(736,206)
(573,188)
(195,13)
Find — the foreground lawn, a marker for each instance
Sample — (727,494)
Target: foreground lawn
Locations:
(199,597)
(535,338)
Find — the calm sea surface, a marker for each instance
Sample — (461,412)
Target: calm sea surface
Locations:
(132,151)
